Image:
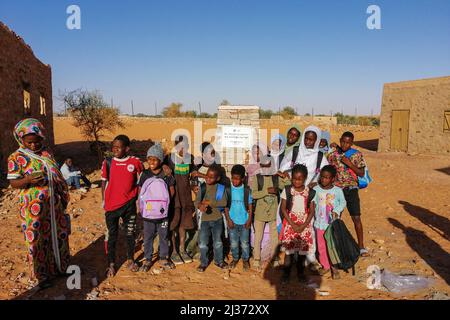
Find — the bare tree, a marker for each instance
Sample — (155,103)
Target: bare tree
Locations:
(93,116)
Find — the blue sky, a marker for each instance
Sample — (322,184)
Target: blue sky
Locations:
(306,54)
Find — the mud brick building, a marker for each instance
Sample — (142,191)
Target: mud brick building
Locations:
(415,116)
(25,90)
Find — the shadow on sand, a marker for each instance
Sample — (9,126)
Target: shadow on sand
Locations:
(444,170)
(294,290)
(438,223)
(92,262)
(430,251)
(371,145)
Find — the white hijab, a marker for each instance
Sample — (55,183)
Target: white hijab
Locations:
(308,157)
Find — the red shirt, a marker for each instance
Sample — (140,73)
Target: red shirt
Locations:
(122,185)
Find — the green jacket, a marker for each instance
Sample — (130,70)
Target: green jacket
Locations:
(266,204)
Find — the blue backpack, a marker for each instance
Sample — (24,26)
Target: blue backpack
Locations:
(364,181)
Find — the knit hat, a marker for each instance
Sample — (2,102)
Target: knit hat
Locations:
(156,151)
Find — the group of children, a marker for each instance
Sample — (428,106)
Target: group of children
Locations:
(298,199)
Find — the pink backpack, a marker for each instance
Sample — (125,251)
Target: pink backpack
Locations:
(154,199)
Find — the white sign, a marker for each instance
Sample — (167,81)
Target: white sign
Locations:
(237,137)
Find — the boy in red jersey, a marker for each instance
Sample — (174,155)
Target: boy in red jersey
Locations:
(119,193)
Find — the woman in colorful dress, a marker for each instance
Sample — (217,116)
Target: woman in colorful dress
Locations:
(43,198)
(297,231)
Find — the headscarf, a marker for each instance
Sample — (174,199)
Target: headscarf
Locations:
(286,164)
(308,157)
(286,147)
(325,135)
(282,145)
(276,153)
(25,127)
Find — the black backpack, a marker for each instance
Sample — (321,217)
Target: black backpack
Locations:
(346,247)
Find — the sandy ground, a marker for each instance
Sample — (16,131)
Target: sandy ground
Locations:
(405,212)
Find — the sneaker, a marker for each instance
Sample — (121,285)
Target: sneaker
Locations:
(201,268)
(246,265)
(257,264)
(186,258)
(176,259)
(233,264)
(222,265)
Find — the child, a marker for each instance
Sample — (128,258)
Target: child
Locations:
(265,190)
(329,202)
(209,157)
(42,195)
(73,176)
(350,165)
(297,232)
(181,163)
(119,194)
(211,199)
(239,218)
(155,157)
(324,145)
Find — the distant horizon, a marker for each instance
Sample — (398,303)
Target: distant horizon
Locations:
(302,54)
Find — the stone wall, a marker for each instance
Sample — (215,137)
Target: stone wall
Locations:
(246,116)
(19,70)
(427,101)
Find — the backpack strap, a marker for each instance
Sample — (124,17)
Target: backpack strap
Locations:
(311,195)
(318,165)
(228,192)
(246,197)
(288,197)
(202,191)
(260,180)
(350,152)
(220,191)
(295,154)
(280,158)
(108,167)
(275,181)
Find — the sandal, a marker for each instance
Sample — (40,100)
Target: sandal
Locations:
(132,266)
(145,266)
(166,265)
(363,252)
(111,271)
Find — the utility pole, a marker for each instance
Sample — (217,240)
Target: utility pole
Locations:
(312,114)
(132,108)
(112,102)
(200,107)
(156,109)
